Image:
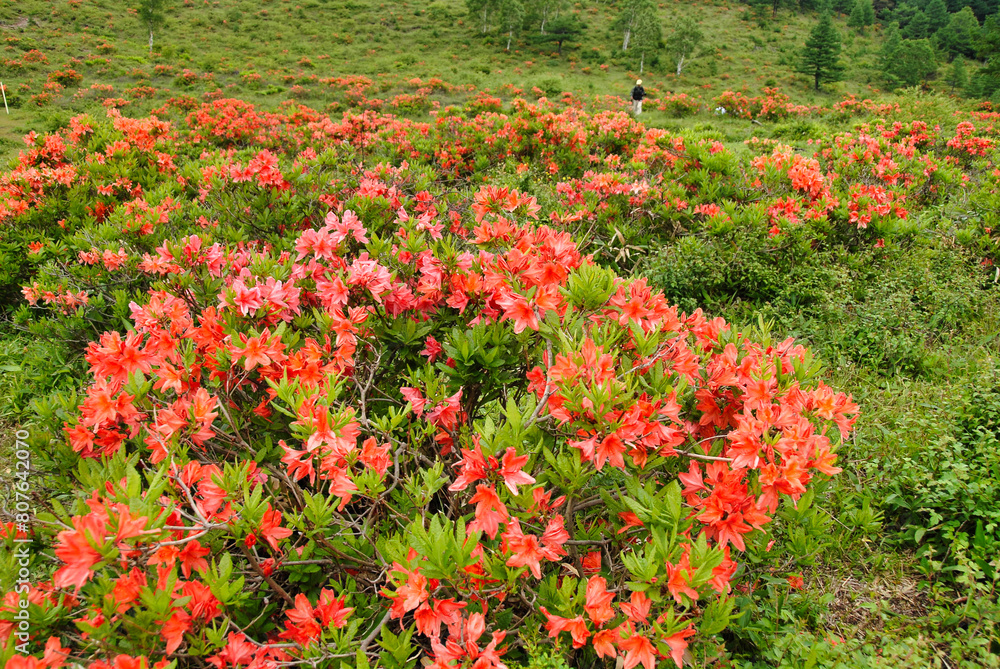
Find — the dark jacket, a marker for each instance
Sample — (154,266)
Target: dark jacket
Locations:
(638,93)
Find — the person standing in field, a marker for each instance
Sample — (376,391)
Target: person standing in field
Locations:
(638,93)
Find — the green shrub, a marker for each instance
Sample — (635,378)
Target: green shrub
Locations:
(550,86)
(799,130)
(440,11)
(741,265)
(946,494)
(887,312)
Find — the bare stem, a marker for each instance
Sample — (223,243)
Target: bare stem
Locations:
(375,631)
(270,581)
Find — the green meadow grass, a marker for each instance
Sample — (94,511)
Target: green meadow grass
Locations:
(292,46)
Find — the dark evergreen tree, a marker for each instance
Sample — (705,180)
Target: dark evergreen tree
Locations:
(983,8)
(882,7)
(957,77)
(887,55)
(959,37)
(986,82)
(869,11)
(918,27)
(937,16)
(567,27)
(775,6)
(843,6)
(902,14)
(912,63)
(820,59)
(857,18)
(760,11)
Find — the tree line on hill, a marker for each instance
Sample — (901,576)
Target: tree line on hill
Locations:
(917,35)
(915,41)
(542,23)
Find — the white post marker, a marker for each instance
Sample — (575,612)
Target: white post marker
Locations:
(3,89)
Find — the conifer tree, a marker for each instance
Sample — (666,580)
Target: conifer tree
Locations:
(891,38)
(890,47)
(957,77)
(842,6)
(857,18)
(761,11)
(937,16)
(912,63)
(987,80)
(902,14)
(775,5)
(561,29)
(960,36)
(918,27)
(820,59)
(869,11)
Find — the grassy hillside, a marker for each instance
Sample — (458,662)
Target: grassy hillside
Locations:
(311,52)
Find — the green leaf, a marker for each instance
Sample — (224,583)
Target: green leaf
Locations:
(672,500)
(716,616)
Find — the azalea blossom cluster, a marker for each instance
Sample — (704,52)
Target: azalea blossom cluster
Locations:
(338,404)
(770,106)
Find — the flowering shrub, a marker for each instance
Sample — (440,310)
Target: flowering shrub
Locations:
(251,80)
(407,103)
(97,91)
(186,78)
(12,64)
(35,56)
(140,92)
(872,202)
(679,105)
(67,77)
(335,409)
(967,143)
(484,102)
(773,105)
(851,106)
